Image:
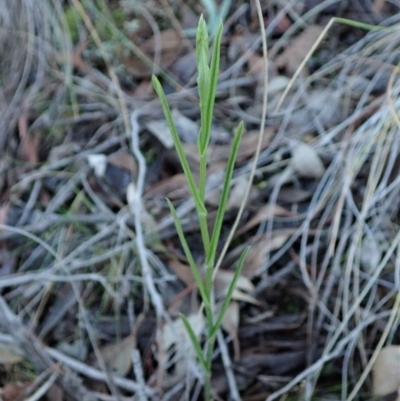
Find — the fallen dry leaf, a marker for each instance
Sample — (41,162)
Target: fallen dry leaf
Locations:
(174,338)
(160,129)
(255,259)
(305,160)
(55,393)
(13,391)
(118,356)
(187,129)
(278,84)
(173,188)
(386,371)
(7,357)
(98,162)
(168,45)
(28,148)
(298,48)
(324,104)
(371,251)
(183,272)
(123,160)
(244,287)
(230,324)
(248,144)
(259,248)
(237,193)
(265,212)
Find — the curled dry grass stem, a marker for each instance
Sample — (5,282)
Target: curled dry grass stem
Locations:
(78,298)
(346,286)
(134,196)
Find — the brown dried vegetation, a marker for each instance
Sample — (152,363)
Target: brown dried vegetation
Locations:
(91,289)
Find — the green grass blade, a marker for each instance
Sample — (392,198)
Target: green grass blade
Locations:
(189,256)
(361,25)
(196,344)
(208,90)
(202,50)
(207,93)
(207,83)
(203,82)
(178,146)
(228,296)
(202,47)
(213,77)
(225,193)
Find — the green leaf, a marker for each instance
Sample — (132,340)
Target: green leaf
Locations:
(202,49)
(225,193)
(203,81)
(228,296)
(188,253)
(195,343)
(198,197)
(201,42)
(361,25)
(213,80)
(207,82)
(178,146)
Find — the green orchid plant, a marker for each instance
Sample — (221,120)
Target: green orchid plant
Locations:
(207,86)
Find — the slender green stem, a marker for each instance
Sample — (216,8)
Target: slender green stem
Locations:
(209,278)
(189,256)
(209,348)
(207,86)
(203,176)
(207,384)
(224,195)
(202,191)
(205,235)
